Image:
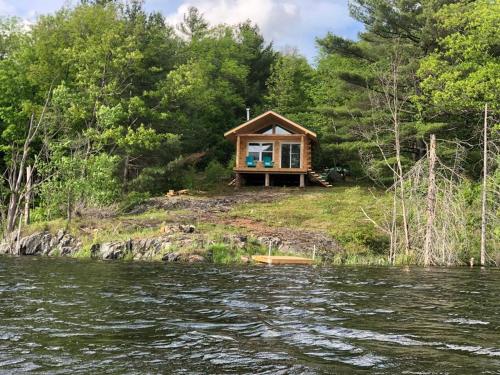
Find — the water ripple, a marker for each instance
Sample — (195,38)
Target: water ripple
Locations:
(60,316)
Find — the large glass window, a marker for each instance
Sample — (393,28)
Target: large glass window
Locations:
(274,129)
(266,130)
(260,150)
(290,155)
(279,130)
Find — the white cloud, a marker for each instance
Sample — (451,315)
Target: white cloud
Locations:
(294,23)
(285,22)
(274,17)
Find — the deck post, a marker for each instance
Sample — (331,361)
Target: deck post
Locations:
(302,180)
(237,183)
(267,180)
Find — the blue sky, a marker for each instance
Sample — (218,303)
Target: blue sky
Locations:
(288,23)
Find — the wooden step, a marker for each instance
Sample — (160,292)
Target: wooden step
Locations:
(315,177)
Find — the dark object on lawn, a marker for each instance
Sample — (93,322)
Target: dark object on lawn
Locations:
(335,174)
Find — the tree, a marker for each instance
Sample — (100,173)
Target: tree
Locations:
(288,84)
(462,74)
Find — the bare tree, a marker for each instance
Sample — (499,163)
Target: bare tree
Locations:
(392,98)
(17,168)
(28,193)
(391,88)
(431,201)
(485,187)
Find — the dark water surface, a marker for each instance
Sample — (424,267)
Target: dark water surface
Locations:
(63,316)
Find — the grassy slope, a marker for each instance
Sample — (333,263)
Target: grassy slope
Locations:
(337,211)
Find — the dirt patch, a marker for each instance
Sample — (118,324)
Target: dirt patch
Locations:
(207,206)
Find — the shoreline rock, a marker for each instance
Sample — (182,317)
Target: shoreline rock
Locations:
(42,243)
(163,246)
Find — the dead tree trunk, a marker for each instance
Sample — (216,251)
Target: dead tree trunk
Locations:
(17,168)
(393,248)
(401,186)
(125,171)
(69,206)
(485,186)
(27,194)
(431,201)
(396,106)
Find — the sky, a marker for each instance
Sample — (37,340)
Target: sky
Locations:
(287,23)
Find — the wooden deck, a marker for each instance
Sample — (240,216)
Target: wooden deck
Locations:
(282,260)
(260,169)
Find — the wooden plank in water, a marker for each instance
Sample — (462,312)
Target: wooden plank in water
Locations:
(281,259)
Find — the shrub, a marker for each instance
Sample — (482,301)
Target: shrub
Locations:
(215,172)
(132,199)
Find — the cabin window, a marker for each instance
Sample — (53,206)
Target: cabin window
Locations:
(290,155)
(274,129)
(266,130)
(279,130)
(260,150)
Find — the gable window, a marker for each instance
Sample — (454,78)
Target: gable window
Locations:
(266,130)
(260,150)
(279,130)
(274,129)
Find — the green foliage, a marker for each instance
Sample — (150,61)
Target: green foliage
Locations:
(84,252)
(129,100)
(132,200)
(463,73)
(88,182)
(215,173)
(288,83)
(131,109)
(223,254)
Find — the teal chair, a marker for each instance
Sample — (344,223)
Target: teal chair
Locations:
(251,162)
(268,162)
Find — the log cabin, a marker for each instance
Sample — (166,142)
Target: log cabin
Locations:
(272,145)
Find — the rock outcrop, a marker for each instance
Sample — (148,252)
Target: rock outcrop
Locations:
(173,243)
(42,243)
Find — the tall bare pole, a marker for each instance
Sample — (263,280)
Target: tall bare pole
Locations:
(27,194)
(485,186)
(431,201)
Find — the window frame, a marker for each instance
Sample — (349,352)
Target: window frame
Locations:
(272,128)
(261,152)
(290,155)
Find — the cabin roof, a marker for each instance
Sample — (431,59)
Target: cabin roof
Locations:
(267,118)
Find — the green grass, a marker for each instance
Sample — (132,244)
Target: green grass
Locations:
(84,252)
(336,211)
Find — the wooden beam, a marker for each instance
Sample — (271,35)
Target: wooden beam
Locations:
(302,152)
(238,150)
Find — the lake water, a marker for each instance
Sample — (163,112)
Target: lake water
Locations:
(63,316)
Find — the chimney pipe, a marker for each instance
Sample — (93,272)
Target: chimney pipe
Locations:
(248,114)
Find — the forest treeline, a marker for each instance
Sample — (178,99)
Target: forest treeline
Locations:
(103,102)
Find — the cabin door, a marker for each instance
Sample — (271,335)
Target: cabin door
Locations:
(290,155)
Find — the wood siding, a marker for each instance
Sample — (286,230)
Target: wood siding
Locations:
(242,152)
